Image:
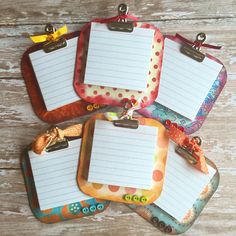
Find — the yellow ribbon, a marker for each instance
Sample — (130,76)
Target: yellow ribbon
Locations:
(49,37)
(55,135)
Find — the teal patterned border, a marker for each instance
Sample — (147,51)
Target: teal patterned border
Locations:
(166,223)
(75,210)
(162,113)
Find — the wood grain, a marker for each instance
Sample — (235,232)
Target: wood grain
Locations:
(19,125)
(69,11)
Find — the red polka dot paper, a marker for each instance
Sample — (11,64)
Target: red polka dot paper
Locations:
(118,193)
(116,96)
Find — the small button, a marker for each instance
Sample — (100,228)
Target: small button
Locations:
(143,199)
(100,206)
(155,221)
(74,208)
(92,208)
(128,197)
(89,107)
(161,225)
(168,229)
(168,123)
(96,106)
(136,198)
(85,210)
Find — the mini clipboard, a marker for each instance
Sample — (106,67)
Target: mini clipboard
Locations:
(168,224)
(163,113)
(65,112)
(75,209)
(122,193)
(118,62)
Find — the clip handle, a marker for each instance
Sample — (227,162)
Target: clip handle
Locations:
(200,39)
(121,23)
(123,9)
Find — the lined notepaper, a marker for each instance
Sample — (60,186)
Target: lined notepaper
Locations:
(55,72)
(182,185)
(185,82)
(55,176)
(118,59)
(122,156)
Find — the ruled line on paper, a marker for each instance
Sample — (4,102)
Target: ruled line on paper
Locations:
(54,72)
(122,156)
(184,82)
(55,176)
(182,185)
(130,52)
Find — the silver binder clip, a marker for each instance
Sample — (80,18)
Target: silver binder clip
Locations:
(193,51)
(126,120)
(122,24)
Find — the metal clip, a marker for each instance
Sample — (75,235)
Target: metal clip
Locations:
(58,146)
(126,120)
(53,45)
(122,24)
(126,123)
(188,154)
(194,51)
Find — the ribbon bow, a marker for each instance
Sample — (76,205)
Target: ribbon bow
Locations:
(178,136)
(49,37)
(53,136)
(197,43)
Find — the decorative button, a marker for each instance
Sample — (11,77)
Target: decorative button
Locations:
(89,107)
(155,221)
(168,123)
(92,208)
(168,229)
(161,225)
(143,199)
(136,198)
(96,106)
(100,206)
(128,197)
(85,210)
(74,208)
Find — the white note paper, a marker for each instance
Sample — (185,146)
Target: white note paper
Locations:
(185,82)
(55,176)
(182,185)
(122,156)
(55,72)
(118,59)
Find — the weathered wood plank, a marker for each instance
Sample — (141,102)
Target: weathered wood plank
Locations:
(15,212)
(34,12)
(15,40)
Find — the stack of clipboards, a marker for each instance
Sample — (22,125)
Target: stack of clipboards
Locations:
(149,163)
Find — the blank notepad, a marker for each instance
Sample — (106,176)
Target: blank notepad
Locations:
(118,59)
(55,72)
(185,83)
(55,176)
(182,185)
(122,156)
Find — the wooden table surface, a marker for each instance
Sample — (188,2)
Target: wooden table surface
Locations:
(19,125)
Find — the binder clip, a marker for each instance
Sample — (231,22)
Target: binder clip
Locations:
(122,24)
(187,150)
(53,38)
(193,51)
(56,139)
(126,120)
(60,144)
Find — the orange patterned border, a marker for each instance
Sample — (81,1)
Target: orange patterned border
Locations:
(117,193)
